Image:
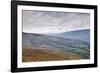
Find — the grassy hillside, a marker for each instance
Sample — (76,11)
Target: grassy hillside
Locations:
(38,54)
(44,44)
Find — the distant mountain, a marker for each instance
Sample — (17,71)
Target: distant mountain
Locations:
(81,48)
(83,35)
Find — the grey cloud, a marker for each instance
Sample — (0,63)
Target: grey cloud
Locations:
(35,19)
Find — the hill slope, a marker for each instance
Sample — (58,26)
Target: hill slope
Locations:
(59,45)
(83,35)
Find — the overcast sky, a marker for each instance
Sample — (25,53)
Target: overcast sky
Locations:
(54,22)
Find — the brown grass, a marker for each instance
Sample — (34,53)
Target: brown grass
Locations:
(33,55)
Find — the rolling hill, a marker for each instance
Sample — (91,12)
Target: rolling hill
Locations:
(83,35)
(51,44)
